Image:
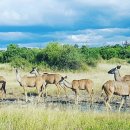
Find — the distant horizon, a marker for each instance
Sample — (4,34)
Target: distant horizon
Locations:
(31,23)
(44,45)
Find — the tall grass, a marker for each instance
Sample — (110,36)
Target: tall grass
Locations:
(32,118)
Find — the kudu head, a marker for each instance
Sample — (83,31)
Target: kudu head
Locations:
(17,69)
(114,70)
(63,78)
(34,71)
(62,81)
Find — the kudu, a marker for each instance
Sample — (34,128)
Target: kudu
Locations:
(30,81)
(50,79)
(117,75)
(3,86)
(117,87)
(82,84)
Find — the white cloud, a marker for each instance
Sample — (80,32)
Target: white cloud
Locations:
(14,36)
(56,12)
(84,38)
(99,37)
(103,3)
(92,37)
(32,12)
(33,44)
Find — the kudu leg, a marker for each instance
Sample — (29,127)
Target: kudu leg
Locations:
(58,90)
(76,97)
(91,100)
(63,88)
(4,90)
(3,95)
(45,91)
(40,93)
(125,102)
(91,97)
(65,91)
(107,102)
(122,102)
(39,96)
(44,87)
(25,92)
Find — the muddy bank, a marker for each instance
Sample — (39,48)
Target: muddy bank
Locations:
(64,103)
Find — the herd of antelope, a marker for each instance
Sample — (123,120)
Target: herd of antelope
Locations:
(120,86)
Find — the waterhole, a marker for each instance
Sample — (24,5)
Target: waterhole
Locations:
(64,104)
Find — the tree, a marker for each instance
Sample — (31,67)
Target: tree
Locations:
(12,51)
(108,53)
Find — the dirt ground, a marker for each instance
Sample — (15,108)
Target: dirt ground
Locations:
(15,95)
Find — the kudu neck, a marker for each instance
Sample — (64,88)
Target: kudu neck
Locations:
(36,73)
(117,76)
(18,77)
(67,84)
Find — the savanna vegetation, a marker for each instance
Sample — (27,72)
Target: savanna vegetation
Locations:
(62,57)
(15,114)
(41,119)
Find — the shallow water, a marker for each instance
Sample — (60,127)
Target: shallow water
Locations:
(64,104)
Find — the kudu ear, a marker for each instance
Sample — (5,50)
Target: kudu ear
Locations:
(34,68)
(16,69)
(65,77)
(62,78)
(21,67)
(118,66)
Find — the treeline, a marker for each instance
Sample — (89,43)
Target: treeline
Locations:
(62,57)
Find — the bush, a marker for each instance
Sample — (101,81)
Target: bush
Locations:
(12,51)
(108,53)
(70,58)
(61,57)
(18,62)
(91,55)
(1,56)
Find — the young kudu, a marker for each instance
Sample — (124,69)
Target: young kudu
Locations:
(82,84)
(30,81)
(51,79)
(117,87)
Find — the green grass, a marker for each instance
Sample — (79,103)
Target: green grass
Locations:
(33,118)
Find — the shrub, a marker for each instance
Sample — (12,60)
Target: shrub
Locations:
(108,53)
(18,62)
(91,55)
(61,56)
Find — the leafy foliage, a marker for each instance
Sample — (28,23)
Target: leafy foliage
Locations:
(91,55)
(62,57)
(19,62)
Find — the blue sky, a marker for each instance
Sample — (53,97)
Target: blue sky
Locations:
(34,23)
